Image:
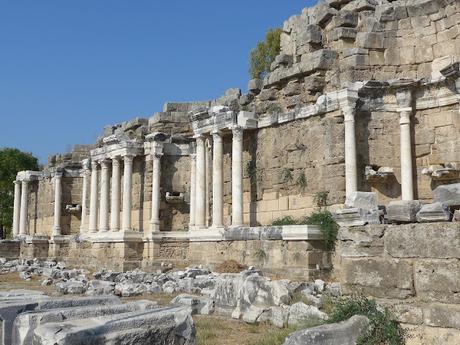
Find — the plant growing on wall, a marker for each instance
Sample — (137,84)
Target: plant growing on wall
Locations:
(274,108)
(327,224)
(287,220)
(264,54)
(320,198)
(301,182)
(286,175)
(260,254)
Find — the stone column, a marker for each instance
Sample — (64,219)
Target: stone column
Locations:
(84,197)
(208,179)
(407,182)
(156,174)
(104,196)
(127,190)
(17,207)
(200,199)
(404,101)
(57,204)
(217,181)
(24,206)
(93,199)
(351,174)
(237,176)
(115,196)
(192,189)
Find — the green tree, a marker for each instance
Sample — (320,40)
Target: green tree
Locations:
(11,162)
(264,54)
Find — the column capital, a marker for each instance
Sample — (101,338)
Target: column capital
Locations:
(156,155)
(104,163)
(94,165)
(128,158)
(348,113)
(237,132)
(404,115)
(116,161)
(217,135)
(16,182)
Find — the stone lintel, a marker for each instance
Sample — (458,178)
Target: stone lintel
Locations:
(29,175)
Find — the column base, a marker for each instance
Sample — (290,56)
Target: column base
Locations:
(116,236)
(206,234)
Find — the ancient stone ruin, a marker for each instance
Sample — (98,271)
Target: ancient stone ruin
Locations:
(359,115)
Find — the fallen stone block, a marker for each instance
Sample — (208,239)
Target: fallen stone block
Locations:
(300,312)
(403,211)
(173,325)
(448,194)
(435,212)
(10,308)
(25,324)
(341,333)
(197,304)
(356,217)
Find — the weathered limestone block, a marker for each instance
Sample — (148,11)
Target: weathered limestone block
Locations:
(435,212)
(437,241)
(341,333)
(322,13)
(268,94)
(403,211)
(371,40)
(292,89)
(25,324)
(300,312)
(341,34)
(255,85)
(378,277)
(361,241)
(442,315)
(197,304)
(448,194)
(356,217)
(438,280)
(172,325)
(11,307)
(360,5)
(364,200)
(344,19)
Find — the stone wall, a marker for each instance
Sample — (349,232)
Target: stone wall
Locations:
(336,42)
(413,268)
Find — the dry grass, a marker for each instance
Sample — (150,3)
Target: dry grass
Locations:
(230,266)
(11,281)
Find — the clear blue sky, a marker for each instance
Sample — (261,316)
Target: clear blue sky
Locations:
(68,68)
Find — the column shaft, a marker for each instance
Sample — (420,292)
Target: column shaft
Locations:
(407,183)
(192,189)
(237,177)
(351,175)
(84,206)
(115,196)
(217,181)
(17,207)
(57,204)
(104,197)
(156,175)
(93,199)
(23,212)
(127,190)
(200,200)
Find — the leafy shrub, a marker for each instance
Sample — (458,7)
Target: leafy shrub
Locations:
(286,175)
(287,220)
(264,54)
(383,329)
(327,224)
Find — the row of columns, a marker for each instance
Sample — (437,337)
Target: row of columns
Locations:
(198,190)
(106,222)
